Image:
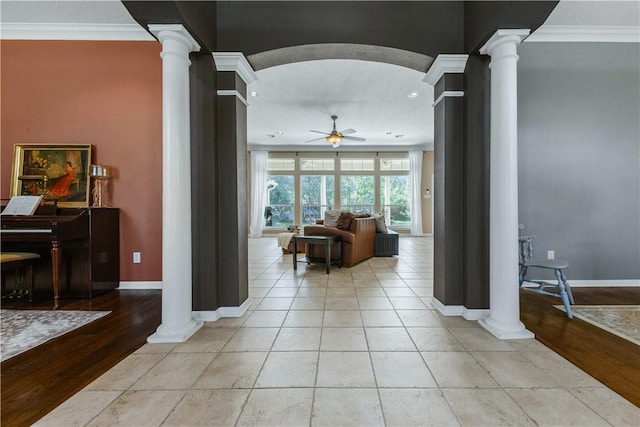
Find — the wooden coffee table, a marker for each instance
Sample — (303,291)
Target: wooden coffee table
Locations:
(327,241)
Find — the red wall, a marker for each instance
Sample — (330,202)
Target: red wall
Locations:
(108,94)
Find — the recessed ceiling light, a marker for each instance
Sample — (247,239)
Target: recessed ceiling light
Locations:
(399,136)
(253,94)
(413,95)
(271,136)
(280,132)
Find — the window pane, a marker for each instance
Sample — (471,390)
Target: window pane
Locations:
(317,195)
(356,193)
(280,201)
(394,200)
(394,164)
(356,164)
(281,164)
(317,164)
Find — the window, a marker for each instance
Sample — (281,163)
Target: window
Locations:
(303,186)
(318,195)
(317,164)
(281,164)
(357,193)
(356,164)
(394,164)
(280,201)
(394,200)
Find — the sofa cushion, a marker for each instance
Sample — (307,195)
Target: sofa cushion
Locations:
(344,220)
(331,218)
(381,225)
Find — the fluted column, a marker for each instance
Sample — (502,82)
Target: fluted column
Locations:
(504,313)
(177,321)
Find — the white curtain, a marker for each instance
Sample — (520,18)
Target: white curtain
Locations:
(258,191)
(415,184)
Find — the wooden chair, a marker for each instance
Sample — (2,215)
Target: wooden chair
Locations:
(22,264)
(560,289)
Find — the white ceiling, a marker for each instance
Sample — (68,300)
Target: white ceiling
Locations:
(371,97)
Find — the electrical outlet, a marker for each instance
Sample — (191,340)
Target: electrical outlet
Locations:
(551,254)
(136,257)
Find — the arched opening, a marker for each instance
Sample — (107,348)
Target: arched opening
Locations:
(369,88)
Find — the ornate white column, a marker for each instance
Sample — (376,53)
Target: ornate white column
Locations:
(177,321)
(504,311)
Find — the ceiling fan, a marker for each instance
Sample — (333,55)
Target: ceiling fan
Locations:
(335,137)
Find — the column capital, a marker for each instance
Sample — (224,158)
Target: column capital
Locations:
(503,36)
(235,61)
(446,63)
(177,32)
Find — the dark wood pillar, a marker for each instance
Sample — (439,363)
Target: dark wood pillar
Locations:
(204,183)
(477,86)
(233,75)
(449,187)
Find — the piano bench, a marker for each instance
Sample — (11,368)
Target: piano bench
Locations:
(22,264)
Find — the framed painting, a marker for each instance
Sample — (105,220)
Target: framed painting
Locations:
(53,171)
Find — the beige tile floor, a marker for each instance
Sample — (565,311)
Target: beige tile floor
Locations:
(361,346)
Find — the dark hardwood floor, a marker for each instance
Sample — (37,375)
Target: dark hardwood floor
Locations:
(608,358)
(38,380)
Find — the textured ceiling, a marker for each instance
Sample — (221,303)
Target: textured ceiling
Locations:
(370,97)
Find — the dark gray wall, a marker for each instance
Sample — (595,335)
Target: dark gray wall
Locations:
(448,256)
(204,182)
(579,157)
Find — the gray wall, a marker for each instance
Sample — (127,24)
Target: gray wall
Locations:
(579,157)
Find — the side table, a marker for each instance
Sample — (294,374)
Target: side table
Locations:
(327,241)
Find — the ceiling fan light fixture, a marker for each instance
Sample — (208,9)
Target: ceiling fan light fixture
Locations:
(334,139)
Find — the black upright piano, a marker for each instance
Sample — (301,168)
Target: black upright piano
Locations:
(79,249)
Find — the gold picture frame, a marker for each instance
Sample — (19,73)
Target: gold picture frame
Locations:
(54,171)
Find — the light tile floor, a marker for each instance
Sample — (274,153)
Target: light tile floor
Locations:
(360,346)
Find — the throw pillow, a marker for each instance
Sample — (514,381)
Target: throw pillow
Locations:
(331,218)
(381,225)
(361,215)
(344,221)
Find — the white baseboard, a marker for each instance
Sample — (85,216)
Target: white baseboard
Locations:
(212,316)
(459,310)
(598,283)
(141,285)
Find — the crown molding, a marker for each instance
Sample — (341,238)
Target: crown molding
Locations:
(235,61)
(504,36)
(102,32)
(227,92)
(585,34)
(445,64)
(174,32)
(448,94)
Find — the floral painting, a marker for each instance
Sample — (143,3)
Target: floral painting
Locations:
(58,172)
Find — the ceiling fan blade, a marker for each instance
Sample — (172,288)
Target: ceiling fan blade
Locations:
(317,131)
(347,131)
(311,140)
(354,138)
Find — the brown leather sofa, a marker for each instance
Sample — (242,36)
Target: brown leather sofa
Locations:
(358,242)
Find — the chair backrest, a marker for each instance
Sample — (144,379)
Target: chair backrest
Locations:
(526,245)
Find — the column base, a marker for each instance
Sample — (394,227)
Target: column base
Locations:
(503,331)
(175,335)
